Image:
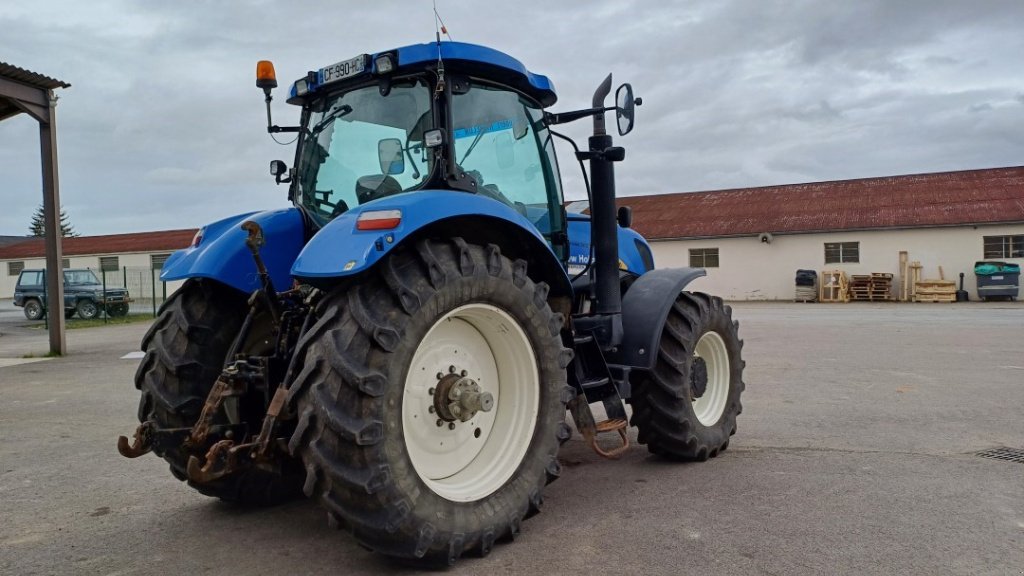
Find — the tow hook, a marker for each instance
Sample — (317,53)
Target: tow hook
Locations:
(141,443)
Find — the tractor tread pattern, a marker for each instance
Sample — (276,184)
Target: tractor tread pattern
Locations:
(339,397)
(184,354)
(662,410)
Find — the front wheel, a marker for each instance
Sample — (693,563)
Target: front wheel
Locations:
(432,401)
(686,407)
(87,309)
(117,310)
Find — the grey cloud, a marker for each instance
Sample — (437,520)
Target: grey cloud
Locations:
(163,127)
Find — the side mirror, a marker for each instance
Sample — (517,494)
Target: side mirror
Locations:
(389,152)
(624,108)
(625,216)
(278,169)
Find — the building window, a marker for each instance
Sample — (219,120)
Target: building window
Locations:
(704,257)
(1004,246)
(156,261)
(15,268)
(65,263)
(842,252)
(109,263)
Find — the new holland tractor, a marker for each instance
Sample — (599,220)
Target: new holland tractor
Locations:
(404,342)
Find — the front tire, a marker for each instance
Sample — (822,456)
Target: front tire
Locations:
(378,454)
(686,407)
(87,309)
(117,310)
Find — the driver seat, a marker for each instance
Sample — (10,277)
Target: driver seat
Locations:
(376,186)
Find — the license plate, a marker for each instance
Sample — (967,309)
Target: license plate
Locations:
(343,69)
(997,277)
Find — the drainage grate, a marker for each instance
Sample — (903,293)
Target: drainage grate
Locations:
(1006,454)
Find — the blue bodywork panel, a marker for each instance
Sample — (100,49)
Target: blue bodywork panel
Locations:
(634,252)
(223,255)
(458,56)
(339,249)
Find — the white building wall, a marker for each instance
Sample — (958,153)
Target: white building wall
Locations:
(136,261)
(752,270)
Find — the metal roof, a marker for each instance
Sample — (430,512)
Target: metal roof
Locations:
(27,78)
(30,78)
(161,241)
(988,196)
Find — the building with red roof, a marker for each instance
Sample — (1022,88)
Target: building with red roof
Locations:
(123,256)
(752,240)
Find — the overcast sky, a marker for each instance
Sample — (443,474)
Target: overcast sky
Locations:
(164,128)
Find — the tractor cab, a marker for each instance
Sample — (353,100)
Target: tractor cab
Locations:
(446,116)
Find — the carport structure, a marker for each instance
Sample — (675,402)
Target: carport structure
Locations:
(25,91)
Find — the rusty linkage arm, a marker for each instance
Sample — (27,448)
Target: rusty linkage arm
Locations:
(254,242)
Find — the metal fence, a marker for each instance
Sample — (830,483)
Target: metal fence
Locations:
(146,290)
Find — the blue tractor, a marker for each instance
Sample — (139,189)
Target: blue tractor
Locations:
(404,342)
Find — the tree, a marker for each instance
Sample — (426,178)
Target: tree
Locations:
(38,226)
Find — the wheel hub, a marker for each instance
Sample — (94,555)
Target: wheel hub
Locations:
(698,377)
(458,397)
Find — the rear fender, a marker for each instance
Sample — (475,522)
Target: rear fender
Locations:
(645,308)
(340,250)
(222,254)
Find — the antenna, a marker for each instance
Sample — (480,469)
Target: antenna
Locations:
(438,29)
(439,25)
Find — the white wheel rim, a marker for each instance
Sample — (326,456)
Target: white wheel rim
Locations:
(710,406)
(464,465)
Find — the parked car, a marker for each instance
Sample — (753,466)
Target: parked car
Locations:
(83,295)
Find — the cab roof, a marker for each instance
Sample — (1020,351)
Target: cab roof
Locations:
(471,59)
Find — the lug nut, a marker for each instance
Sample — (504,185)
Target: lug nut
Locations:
(451,369)
(463,373)
(440,422)
(430,391)
(440,375)
(430,409)
(451,425)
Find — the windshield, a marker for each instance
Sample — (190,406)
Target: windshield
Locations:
(80,277)
(503,145)
(362,145)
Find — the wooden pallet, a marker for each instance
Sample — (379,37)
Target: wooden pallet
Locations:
(833,286)
(874,287)
(934,298)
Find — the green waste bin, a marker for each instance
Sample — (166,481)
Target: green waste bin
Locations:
(997,279)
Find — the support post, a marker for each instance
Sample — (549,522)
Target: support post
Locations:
(51,215)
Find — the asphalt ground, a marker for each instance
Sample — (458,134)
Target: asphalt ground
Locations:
(855,455)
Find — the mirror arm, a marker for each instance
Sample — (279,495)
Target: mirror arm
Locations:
(564,117)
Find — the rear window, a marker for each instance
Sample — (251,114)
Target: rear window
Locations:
(32,278)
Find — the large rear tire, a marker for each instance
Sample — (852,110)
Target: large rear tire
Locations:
(379,456)
(686,407)
(185,352)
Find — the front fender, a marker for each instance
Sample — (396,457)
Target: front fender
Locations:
(340,250)
(222,254)
(645,308)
